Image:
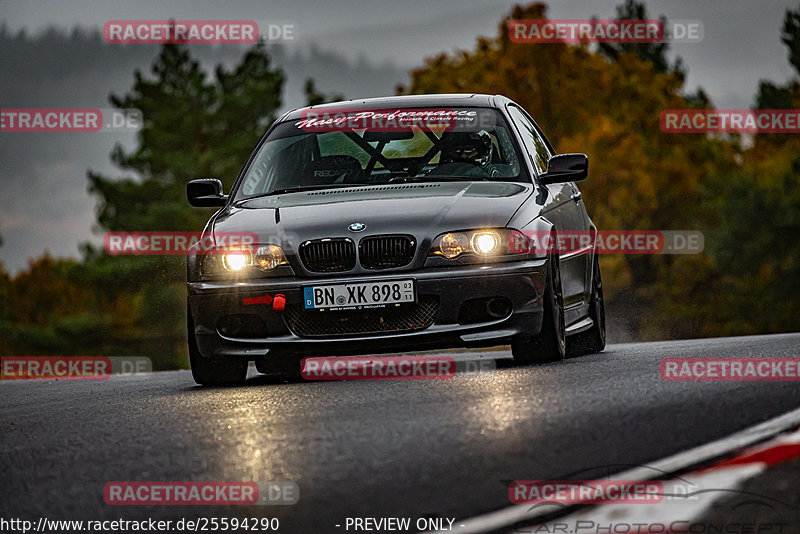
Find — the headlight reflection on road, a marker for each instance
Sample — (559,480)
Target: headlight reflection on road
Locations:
(247,435)
(497,403)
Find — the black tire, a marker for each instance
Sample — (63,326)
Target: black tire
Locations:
(550,344)
(593,340)
(209,372)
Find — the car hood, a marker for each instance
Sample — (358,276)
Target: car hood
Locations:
(423,210)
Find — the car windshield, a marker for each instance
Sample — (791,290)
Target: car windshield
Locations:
(351,148)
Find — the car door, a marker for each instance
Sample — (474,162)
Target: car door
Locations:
(564,208)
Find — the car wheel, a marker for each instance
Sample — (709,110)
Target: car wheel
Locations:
(592,340)
(549,345)
(209,372)
(282,365)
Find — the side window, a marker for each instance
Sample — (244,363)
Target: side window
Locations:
(530,136)
(544,145)
(280,155)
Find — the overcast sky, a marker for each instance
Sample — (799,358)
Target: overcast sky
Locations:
(368,47)
(741,36)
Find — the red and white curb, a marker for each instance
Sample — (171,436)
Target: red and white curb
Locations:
(687,494)
(687,497)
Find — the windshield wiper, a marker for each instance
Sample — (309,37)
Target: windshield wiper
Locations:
(437,178)
(303,188)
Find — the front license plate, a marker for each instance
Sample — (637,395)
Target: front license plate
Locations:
(356,296)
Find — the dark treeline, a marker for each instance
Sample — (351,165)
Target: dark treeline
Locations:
(744,197)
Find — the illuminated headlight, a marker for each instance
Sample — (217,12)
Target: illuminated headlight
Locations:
(486,242)
(481,242)
(236,260)
(243,261)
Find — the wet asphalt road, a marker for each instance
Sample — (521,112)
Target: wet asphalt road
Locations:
(369,449)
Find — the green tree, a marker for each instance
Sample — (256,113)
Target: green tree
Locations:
(193,126)
(782,96)
(791,37)
(315,98)
(754,248)
(653,53)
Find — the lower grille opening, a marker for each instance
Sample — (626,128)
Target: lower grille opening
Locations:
(484,310)
(242,325)
(403,318)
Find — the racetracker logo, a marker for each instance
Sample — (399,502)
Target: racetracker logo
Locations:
(585,31)
(378,368)
(606,242)
(730,120)
(175,243)
(750,369)
(585,491)
(69,120)
(181,31)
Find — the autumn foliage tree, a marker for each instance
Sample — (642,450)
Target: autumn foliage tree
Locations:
(606,102)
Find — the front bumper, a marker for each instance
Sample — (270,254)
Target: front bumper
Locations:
(520,283)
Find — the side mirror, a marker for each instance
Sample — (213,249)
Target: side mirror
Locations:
(205,192)
(566,168)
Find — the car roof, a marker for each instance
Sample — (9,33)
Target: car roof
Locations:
(404,101)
